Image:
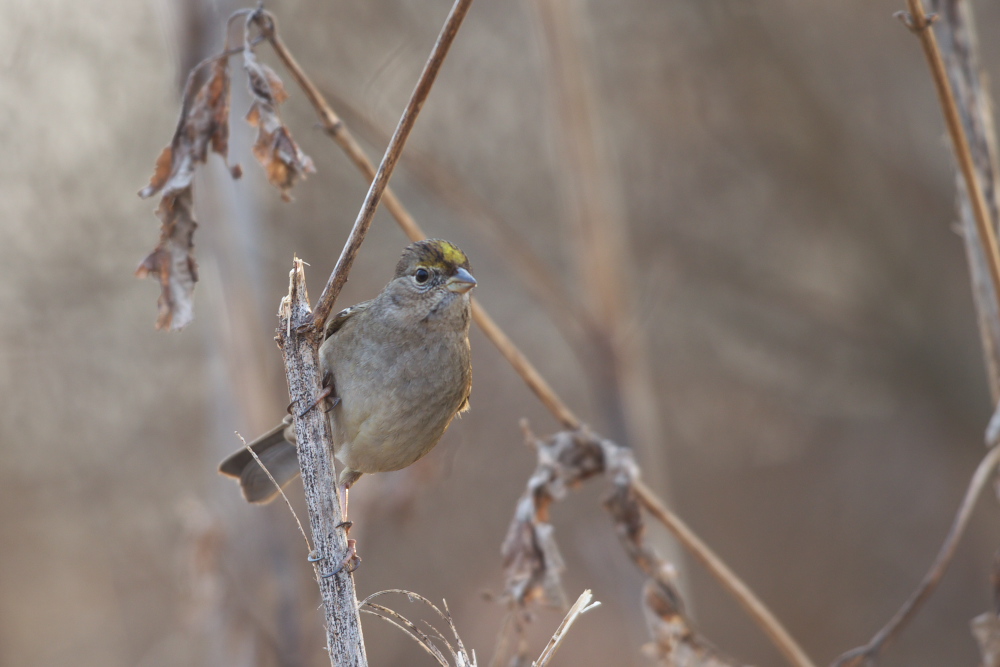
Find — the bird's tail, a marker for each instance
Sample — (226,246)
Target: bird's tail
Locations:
(276,453)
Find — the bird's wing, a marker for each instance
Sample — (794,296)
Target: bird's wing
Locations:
(338,320)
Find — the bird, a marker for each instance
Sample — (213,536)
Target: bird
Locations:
(396,369)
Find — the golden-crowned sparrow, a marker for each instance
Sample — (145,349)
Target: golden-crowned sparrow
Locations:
(399,367)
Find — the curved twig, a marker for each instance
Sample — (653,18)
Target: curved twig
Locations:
(930,581)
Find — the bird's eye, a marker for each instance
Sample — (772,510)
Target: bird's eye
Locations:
(421,276)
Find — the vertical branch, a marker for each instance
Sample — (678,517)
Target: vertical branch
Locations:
(299,342)
(951,53)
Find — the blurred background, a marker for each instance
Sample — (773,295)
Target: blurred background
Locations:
(794,351)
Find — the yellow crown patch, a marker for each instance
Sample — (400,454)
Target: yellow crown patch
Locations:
(433,253)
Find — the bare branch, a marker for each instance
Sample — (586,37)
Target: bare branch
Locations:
(409,117)
(967,112)
(940,565)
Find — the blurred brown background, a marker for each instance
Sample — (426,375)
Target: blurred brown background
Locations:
(814,358)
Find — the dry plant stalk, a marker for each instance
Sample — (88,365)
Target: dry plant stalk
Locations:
(968,116)
(967,112)
(459,655)
(299,342)
(986,626)
(580,607)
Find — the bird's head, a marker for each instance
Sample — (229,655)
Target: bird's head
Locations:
(436,274)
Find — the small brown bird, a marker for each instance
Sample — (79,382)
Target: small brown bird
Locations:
(398,369)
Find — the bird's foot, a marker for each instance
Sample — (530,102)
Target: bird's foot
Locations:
(351,561)
(327,393)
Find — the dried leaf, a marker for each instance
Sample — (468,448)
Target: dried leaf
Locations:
(265,84)
(674,642)
(274,148)
(173,263)
(533,565)
(204,123)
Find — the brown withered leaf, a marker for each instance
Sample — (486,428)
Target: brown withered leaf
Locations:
(204,124)
(274,148)
(172,262)
(533,565)
(674,643)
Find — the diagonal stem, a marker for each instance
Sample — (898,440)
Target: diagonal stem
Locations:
(381,179)
(872,649)
(918,22)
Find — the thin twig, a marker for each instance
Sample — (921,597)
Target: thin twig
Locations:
(458,652)
(940,565)
(739,590)
(423,88)
(408,627)
(920,24)
(537,274)
(278,487)
(580,607)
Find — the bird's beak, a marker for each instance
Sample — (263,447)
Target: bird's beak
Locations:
(461,282)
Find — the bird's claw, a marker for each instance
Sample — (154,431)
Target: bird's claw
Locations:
(323,395)
(351,558)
